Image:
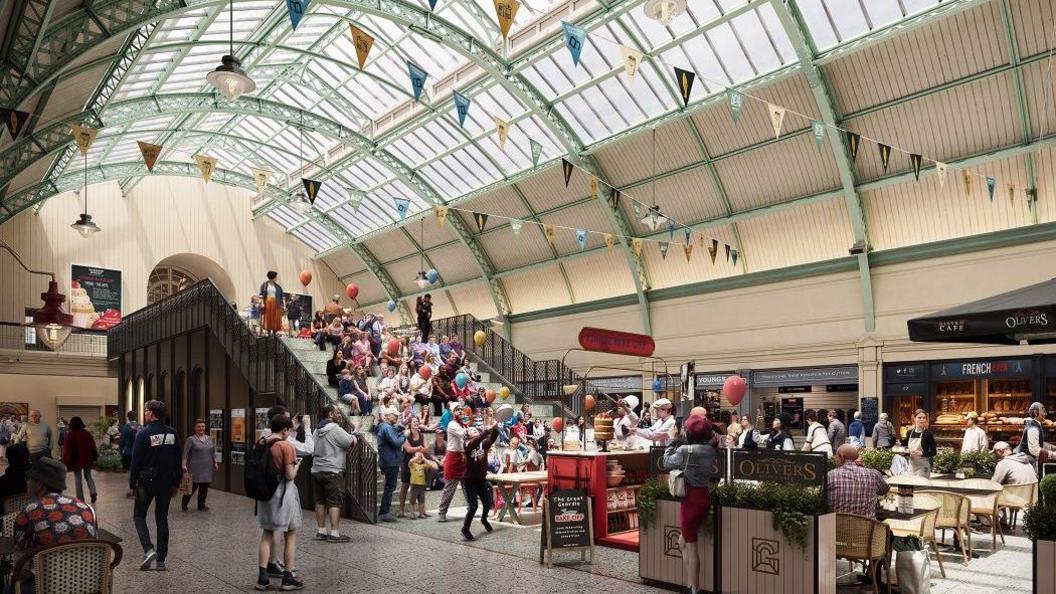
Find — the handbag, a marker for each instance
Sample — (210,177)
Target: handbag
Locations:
(186,484)
(676,479)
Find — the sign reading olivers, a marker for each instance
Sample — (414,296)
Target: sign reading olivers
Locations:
(802,468)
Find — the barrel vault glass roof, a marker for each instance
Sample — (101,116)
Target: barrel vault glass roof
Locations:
(315,69)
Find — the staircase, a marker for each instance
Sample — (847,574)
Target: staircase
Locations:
(269,364)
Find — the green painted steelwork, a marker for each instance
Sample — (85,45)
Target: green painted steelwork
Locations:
(1020,93)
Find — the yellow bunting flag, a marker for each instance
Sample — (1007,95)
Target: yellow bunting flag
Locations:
(150,153)
(441,215)
(610,240)
(594,187)
(260,177)
(687,249)
(502,127)
(505,11)
(968,183)
(548,231)
(632,59)
(84,136)
(940,171)
(777,117)
(363,43)
(206,165)
(636,245)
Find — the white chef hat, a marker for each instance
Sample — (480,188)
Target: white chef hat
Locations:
(662,403)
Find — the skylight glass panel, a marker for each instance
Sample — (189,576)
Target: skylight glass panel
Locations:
(366,173)
(883,12)
(848,19)
(819,22)
(756,42)
(772,25)
(316,236)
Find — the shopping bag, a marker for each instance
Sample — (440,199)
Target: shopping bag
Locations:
(186,484)
(913,571)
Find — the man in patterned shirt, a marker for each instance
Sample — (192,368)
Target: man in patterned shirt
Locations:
(853,488)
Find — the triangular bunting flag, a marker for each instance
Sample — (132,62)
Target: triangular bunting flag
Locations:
(777,117)
(461,107)
(311,186)
(260,178)
(505,11)
(1011,193)
(481,219)
(566,168)
(990,184)
(727,246)
(916,161)
(402,204)
(515,224)
(441,215)
(688,234)
(614,199)
(548,231)
(637,210)
(885,155)
(632,59)
(670,230)
(663,249)
(355,197)
(853,142)
(940,171)
(575,38)
(296,8)
(713,250)
(206,165)
(432,4)
(610,240)
(151,152)
(736,100)
(733,255)
(594,184)
(14,120)
(687,249)
(502,128)
(363,42)
(537,151)
(418,77)
(83,136)
(581,238)
(684,80)
(636,245)
(819,134)
(967,183)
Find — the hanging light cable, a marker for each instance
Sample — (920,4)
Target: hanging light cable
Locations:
(421,279)
(654,218)
(84,224)
(229,78)
(300,201)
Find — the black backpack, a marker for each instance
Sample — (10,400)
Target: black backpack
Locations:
(259,477)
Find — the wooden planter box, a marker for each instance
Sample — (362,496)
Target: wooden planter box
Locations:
(659,557)
(756,558)
(1044,566)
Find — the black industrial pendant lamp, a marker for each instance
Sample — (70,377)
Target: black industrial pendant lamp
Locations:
(84,224)
(229,78)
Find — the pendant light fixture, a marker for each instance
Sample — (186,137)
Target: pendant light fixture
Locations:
(229,78)
(421,279)
(654,219)
(664,11)
(300,201)
(51,323)
(84,224)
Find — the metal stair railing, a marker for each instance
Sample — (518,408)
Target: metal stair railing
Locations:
(266,362)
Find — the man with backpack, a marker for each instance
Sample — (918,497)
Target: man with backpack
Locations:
(268,475)
(332,443)
(128,439)
(302,449)
(155,473)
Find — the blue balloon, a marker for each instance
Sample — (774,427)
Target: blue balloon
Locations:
(657,386)
(461,379)
(432,276)
(392,305)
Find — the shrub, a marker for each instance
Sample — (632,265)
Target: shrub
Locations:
(109,461)
(946,461)
(984,463)
(1039,521)
(790,505)
(652,490)
(1047,487)
(877,459)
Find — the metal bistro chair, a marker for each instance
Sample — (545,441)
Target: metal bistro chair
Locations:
(865,540)
(954,514)
(80,566)
(15,503)
(1015,498)
(923,527)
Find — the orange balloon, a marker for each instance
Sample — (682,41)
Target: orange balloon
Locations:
(588,402)
(699,411)
(306,277)
(558,424)
(489,395)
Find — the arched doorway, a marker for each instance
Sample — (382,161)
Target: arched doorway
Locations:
(180,271)
(130,397)
(167,280)
(141,398)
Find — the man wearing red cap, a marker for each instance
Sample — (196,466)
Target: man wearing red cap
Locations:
(693,454)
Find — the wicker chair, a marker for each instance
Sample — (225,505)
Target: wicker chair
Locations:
(7,524)
(81,566)
(954,514)
(923,527)
(15,503)
(1017,497)
(986,506)
(865,540)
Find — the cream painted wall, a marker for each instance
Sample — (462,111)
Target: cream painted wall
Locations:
(47,392)
(162,217)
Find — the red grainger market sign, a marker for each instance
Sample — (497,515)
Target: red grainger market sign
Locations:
(620,343)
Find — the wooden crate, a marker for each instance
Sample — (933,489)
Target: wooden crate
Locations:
(659,557)
(1044,567)
(756,558)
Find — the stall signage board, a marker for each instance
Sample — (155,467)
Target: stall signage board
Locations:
(870,413)
(567,524)
(918,389)
(710,381)
(630,383)
(981,369)
(815,376)
(616,342)
(794,389)
(841,388)
(905,373)
(803,468)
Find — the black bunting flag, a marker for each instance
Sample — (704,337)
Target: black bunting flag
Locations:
(853,141)
(685,79)
(481,220)
(885,155)
(567,166)
(713,250)
(311,186)
(614,199)
(727,251)
(14,120)
(917,161)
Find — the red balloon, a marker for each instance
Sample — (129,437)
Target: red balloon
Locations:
(426,372)
(558,424)
(306,277)
(352,290)
(394,346)
(734,389)
(489,395)
(699,411)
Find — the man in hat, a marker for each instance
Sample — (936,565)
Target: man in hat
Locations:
(974,437)
(626,425)
(1012,469)
(660,431)
(390,454)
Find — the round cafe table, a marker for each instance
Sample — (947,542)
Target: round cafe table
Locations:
(959,486)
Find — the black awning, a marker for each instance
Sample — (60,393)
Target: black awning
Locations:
(1024,314)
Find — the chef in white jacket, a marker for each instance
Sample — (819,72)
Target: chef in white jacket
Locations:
(626,425)
(659,433)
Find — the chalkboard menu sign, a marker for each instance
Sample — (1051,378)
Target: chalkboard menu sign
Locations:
(870,413)
(803,468)
(567,524)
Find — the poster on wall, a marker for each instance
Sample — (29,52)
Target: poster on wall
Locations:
(95,297)
(216,432)
(238,436)
(18,409)
(261,423)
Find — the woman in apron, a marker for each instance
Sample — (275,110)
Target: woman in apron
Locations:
(271,293)
(920,445)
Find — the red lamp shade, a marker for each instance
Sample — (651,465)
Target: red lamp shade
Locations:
(53,325)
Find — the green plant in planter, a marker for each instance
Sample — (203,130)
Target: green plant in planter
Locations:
(652,490)
(1047,488)
(790,505)
(109,460)
(983,463)
(946,461)
(879,460)
(1039,522)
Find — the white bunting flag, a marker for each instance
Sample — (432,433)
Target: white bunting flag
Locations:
(260,177)
(84,136)
(777,117)
(940,171)
(516,226)
(206,165)
(632,59)
(502,127)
